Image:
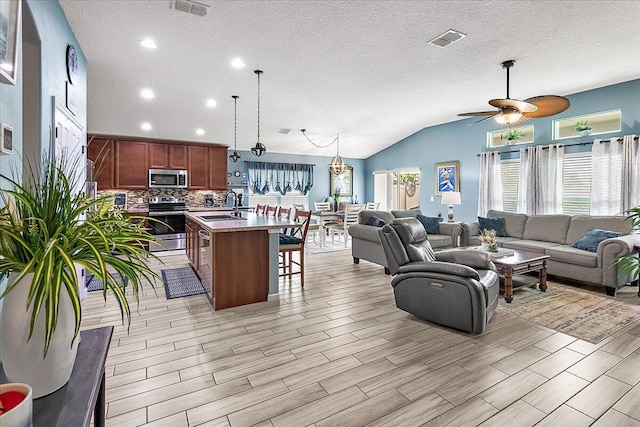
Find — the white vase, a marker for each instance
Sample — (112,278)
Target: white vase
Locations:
(20,415)
(23,360)
(484,246)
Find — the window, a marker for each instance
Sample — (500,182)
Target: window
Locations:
(605,122)
(510,173)
(576,184)
(500,138)
(274,198)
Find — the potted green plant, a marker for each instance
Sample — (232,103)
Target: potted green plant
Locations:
(630,265)
(512,136)
(582,128)
(49,230)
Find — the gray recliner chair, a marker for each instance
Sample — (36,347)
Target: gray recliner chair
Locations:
(455,288)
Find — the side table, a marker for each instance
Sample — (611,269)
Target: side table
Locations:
(84,394)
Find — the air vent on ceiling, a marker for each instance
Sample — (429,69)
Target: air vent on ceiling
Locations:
(284,131)
(192,7)
(448,37)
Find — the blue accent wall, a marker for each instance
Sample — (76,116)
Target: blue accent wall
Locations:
(461,141)
(320,189)
(55,34)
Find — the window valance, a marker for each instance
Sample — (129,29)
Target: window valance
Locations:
(281,177)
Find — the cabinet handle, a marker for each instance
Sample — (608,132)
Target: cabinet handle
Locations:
(204,234)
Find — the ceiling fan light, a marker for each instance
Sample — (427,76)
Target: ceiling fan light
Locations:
(509,117)
(259,149)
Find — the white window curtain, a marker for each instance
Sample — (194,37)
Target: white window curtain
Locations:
(490,186)
(630,172)
(615,185)
(540,183)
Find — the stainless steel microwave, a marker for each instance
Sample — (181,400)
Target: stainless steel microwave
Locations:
(167,178)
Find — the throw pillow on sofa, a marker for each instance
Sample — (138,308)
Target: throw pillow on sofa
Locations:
(430,223)
(377,222)
(592,239)
(496,224)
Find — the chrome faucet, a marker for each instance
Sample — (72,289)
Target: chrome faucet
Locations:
(229,192)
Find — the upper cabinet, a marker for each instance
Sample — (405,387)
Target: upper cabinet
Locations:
(217,168)
(124,164)
(101,152)
(167,156)
(131,159)
(198,167)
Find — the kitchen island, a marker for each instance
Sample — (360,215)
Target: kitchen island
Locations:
(236,258)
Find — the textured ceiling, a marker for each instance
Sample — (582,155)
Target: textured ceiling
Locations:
(362,69)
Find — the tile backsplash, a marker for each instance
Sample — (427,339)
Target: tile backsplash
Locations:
(138,199)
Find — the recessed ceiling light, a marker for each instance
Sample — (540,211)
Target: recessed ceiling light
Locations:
(145,126)
(211,103)
(148,43)
(237,63)
(200,131)
(146,93)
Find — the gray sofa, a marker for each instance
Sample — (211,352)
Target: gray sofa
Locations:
(553,236)
(365,242)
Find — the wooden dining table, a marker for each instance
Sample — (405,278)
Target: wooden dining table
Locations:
(325,217)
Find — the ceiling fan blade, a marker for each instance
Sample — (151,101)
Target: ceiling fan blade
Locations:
(548,105)
(484,119)
(522,106)
(480,113)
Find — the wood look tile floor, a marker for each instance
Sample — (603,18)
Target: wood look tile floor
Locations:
(339,353)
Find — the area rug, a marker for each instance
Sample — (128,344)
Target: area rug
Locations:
(181,282)
(94,284)
(581,314)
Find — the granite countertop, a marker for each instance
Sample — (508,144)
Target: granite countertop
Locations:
(216,208)
(137,210)
(250,222)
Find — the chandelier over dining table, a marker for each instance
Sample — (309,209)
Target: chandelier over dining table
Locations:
(337,164)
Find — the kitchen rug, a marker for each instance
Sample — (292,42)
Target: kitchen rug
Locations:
(181,282)
(94,284)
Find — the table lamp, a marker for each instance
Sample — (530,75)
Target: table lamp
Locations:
(450,198)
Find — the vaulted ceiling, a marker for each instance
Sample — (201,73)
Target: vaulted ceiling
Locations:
(361,69)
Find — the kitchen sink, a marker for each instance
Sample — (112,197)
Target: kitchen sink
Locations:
(221,218)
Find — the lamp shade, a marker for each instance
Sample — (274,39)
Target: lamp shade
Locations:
(451,198)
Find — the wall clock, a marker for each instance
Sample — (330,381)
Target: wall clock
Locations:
(72,64)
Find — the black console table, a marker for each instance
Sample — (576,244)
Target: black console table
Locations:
(84,394)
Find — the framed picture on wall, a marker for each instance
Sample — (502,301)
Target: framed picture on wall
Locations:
(342,183)
(447,177)
(10,22)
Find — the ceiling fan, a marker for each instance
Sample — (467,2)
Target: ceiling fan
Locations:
(512,111)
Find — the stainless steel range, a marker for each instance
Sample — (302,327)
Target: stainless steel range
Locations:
(171,232)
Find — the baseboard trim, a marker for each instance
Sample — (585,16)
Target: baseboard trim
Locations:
(273,297)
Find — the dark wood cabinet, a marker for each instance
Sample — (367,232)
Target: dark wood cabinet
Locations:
(101,152)
(217,168)
(167,156)
(131,170)
(124,162)
(198,167)
(192,243)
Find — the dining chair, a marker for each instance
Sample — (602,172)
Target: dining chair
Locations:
(294,242)
(322,206)
(271,210)
(284,212)
(260,209)
(350,218)
(298,206)
(372,206)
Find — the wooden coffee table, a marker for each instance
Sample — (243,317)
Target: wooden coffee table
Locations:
(519,263)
